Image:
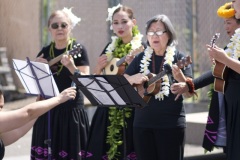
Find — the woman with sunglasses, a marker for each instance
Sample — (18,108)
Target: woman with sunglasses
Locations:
(63,131)
(159,128)
(111,132)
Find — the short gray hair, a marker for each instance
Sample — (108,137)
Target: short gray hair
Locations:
(168,26)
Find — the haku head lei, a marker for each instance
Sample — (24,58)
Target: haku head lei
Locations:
(74,19)
(110,13)
(226,11)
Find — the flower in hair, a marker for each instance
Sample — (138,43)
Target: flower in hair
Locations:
(110,13)
(74,19)
(226,11)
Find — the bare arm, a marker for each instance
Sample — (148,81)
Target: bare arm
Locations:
(11,120)
(220,55)
(13,135)
(68,62)
(180,77)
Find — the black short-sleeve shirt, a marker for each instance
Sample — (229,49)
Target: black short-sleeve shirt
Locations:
(166,113)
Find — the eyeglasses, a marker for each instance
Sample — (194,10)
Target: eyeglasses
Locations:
(56,25)
(158,33)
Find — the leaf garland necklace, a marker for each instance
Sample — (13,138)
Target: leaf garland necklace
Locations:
(52,55)
(168,59)
(116,116)
(118,49)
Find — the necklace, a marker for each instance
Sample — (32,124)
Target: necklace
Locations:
(116,116)
(52,55)
(118,49)
(168,59)
(233,48)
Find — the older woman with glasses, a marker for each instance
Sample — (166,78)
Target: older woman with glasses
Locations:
(62,132)
(158,129)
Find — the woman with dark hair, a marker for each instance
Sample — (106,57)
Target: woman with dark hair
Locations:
(215,134)
(159,128)
(111,128)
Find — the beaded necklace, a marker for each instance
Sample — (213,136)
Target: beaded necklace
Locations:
(52,55)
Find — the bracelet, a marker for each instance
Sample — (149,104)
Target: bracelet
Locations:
(77,72)
(190,85)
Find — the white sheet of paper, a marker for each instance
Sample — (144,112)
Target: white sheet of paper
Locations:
(44,76)
(99,93)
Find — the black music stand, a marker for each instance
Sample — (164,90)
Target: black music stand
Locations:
(37,79)
(109,91)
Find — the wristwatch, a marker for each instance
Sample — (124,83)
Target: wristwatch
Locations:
(77,72)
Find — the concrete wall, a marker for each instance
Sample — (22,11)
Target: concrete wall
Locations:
(19,30)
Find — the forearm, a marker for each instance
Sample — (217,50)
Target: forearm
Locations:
(11,120)
(12,136)
(233,64)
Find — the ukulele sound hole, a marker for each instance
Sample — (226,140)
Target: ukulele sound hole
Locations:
(111,67)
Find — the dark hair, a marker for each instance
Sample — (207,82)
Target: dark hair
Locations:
(237,20)
(125,9)
(168,26)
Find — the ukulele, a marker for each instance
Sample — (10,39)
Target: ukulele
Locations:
(220,70)
(117,66)
(75,52)
(153,86)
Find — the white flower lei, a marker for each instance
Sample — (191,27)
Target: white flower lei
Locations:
(165,85)
(74,19)
(110,13)
(136,42)
(233,48)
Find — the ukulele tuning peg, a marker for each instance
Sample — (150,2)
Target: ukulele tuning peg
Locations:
(75,56)
(79,55)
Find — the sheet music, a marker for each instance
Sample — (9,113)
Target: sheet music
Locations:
(99,93)
(29,82)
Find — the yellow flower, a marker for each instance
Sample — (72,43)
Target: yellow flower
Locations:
(226,11)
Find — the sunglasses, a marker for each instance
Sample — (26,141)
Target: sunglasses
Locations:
(158,33)
(56,25)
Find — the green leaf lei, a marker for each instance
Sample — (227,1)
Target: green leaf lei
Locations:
(122,49)
(52,55)
(114,130)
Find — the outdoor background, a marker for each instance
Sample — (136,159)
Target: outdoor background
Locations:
(23,30)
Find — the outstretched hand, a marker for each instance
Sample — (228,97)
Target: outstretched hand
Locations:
(69,93)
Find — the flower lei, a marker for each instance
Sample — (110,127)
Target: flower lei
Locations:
(226,11)
(118,49)
(116,116)
(168,59)
(233,48)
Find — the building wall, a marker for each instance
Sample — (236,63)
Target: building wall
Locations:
(19,30)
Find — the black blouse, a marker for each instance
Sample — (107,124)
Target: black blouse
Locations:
(166,113)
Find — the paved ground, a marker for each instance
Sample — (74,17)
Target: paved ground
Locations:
(20,150)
